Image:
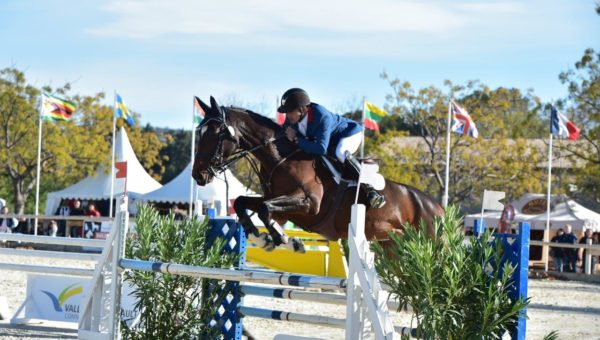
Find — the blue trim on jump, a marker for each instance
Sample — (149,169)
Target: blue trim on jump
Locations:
(277,315)
(294,280)
(157,267)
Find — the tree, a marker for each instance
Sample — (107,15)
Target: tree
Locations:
(69,149)
(583,84)
(514,165)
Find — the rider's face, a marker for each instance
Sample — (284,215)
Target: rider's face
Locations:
(294,116)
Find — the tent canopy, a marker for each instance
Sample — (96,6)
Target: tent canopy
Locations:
(178,190)
(97,187)
(532,208)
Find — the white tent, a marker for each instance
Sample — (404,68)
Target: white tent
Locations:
(98,187)
(178,190)
(532,208)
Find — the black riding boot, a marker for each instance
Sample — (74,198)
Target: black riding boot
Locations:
(376,200)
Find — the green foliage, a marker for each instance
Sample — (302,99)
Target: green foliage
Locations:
(399,163)
(498,159)
(171,306)
(176,153)
(551,336)
(450,285)
(70,151)
(584,91)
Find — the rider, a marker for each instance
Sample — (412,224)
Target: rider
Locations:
(318,131)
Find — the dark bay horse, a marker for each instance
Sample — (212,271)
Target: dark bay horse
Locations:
(296,186)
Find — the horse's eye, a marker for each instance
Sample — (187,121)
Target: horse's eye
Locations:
(203,130)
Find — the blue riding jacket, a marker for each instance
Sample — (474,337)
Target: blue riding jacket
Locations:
(324,130)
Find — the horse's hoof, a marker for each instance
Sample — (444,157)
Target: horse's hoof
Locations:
(298,245)
(270,246)
(266,242)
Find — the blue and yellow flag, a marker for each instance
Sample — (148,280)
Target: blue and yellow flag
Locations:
(121,111)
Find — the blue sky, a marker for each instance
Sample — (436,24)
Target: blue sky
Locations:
(158,54)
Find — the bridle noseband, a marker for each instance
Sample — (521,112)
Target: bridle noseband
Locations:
(217,164)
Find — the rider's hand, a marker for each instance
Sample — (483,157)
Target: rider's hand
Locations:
(291,134)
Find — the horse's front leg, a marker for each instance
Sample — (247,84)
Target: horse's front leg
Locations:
(262,240)
(285,205)
(251,203)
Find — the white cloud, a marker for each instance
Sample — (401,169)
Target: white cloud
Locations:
(484,8)
(154,18)
(399,28)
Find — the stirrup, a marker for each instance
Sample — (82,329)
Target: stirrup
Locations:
(376,200)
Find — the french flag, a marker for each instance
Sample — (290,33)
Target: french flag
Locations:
(562,127)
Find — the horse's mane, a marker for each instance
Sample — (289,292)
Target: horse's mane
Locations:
(262,120)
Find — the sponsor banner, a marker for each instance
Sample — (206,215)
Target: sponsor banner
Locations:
(59,298)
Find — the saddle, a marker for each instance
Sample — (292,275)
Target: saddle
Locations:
(338,170)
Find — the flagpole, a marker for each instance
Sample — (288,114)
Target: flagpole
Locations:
(362,143)
(547,233)
(447,177)
(192,157)
(112,163)
(37,177)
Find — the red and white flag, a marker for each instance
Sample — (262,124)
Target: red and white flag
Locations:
(562,127)
(462,122)
(121,169)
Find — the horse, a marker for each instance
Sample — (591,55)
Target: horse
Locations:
(296,186)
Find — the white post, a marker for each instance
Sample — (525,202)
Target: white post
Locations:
(362,143)
(355,313)
(547,233)
(122,225)
(588,258)
(192,157)
(447,177)
(37,177)
(112,163)
(366,305)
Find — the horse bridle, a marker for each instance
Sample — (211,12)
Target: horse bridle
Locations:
(217,162)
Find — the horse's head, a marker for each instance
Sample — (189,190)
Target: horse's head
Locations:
(215,141)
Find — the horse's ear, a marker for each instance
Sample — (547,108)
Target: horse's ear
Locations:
(203,106)
(213,103)
(216,107)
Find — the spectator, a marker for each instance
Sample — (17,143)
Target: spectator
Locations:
(558,254)
(7,222)
(53,228)
(92,212)
(22,227)
(91,228)
(76,231)
(76,210)
(179,215)
(582,253)
(570,254)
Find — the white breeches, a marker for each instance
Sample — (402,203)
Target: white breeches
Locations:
(348,144)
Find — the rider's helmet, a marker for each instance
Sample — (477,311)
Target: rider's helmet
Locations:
(293,99)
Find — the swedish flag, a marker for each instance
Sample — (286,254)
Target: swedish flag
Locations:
(121,111)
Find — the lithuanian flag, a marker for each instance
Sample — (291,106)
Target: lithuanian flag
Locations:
(373,116)
(54,108)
